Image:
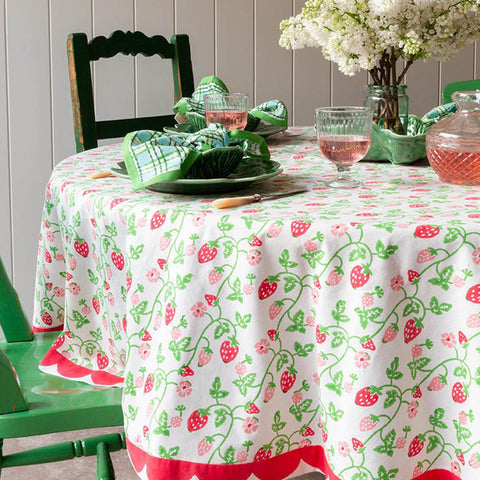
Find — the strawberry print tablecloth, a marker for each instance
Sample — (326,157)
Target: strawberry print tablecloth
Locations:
(332,330)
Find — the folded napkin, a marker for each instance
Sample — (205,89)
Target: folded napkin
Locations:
(152,157)
(273,112)
(419,126)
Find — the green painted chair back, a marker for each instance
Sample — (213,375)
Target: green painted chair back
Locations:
(466,85)
(34,403)
(81,52)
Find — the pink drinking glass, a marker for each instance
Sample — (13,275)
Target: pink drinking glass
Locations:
(343,135)
(229,109)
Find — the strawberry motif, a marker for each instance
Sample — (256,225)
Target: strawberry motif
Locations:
(390,333)
(128,278)
(356,443)
(254,241)
(425,255)
(161,263)
(211,299)
(366,397)
(416,446)
(149,383)
(316,282)
(287,379)
(46,318)
(307,432)
(208,251)
(145,430)
(267,287)
(186,371)
(253,409)
(269,392)
(96,304)
(49,285)
(437,383)
(102,361)
(412,330)
(197,420)
(118,260)
(426,231)
(358,276)
(228,351)
(59,341)
(124,324)
(263,453)
(157,220)
(117,201)
(204,356)
(69,277)
(169,313)
(204,445)
(458,393)
(165,241)
(146,336)
(275,309)
(81,247)
(460,457)
(48,257)
(367,424)
(320,335)
(334,278)
(462,338)
(417,393)
(272,334)
(473,294)
(369,345)
(299,227)
(412,275)
(215,275)
(274,230)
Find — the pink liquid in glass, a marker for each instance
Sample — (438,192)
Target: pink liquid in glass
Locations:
(454,165)
(344,150)
(231,119)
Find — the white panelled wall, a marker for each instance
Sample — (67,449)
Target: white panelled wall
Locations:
(236,40)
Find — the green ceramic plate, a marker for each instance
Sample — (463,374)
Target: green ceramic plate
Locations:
(184,129)
(248,171)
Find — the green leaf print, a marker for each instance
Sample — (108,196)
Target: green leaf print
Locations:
(131,413)
(180,251)
(248,221)
(303,351)
(216,391)
(462,432)
(220,416)
(477,374)
(338,339)
(172,452)
(280,446)
(313,258)
(162,427)
(451,236)
(392,370)
(417,364)
(230,455)
(411,307)
(112,229)
(182,282)
(298,324)
(383,474)
(392,395)
(368,315)
(138,310)
(357,253)
(96,334)
(285,261)
(221,329)
(438,308)
(337,314)
(129,386)
(131,230)
(223,224)
(337,382)
(237,294)
(436,419)
(244,382)
(281,361)
(460,371)
(433,441)
(336,415)
(360,476)
(277,424)
(443,279)
(228,248)
(79,319)
(93,278)
(177,347)
(243,321)
(290,283)
(297,409)
(387,447)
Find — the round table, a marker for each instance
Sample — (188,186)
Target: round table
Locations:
(334,330)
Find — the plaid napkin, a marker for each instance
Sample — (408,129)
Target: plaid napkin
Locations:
(273,112)
(419,126)
(152,157)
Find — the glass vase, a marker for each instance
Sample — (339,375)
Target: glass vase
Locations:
(389,104)
(453,144)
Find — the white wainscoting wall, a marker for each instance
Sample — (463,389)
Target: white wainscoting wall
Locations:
(234,39)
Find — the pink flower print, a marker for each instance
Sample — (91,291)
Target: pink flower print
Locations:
(135,299)
(347,386)
(310,246)
(339,229)
(176,422)
(144,350)
(417,351)
(142,221)
(362,360)
(198,220)
(50,236)
(199,309)
(74,288)
(190,249)
(86,310)
(473,320)
(184,389)
(297,397)
(59,257)
(401,442)
(176,333)
(262,346)
(367,300)
(248,289)
(474,461)
(476,256)
(458,281)
(448,339)
(462,418)
(397,283)
(242,456)
(59,292)
(250,425)
(73,263)
(455,467)
(153,275)
(310,321)
(343,449)
(139,382)
(240,368)
(253,257)
(274,230)
(412,409)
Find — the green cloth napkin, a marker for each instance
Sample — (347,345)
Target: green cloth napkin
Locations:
(152,157)
(273,112)
(419,126)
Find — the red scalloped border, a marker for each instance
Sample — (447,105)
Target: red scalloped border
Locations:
(58,328)
(275,468)
(68,369)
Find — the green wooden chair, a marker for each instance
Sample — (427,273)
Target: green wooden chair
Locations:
(81,52)
(39,403)
(449,88)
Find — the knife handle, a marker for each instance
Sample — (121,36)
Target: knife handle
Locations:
(234,201)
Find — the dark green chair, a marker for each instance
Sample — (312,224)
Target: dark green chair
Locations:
(39,403)
(467,85)
(81,52)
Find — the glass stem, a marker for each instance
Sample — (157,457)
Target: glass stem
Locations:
(344,172)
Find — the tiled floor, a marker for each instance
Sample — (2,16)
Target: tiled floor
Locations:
(78,468)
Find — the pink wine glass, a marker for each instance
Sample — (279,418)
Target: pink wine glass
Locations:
(229,109)
(343,135)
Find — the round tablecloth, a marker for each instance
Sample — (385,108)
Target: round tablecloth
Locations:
(337,327)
